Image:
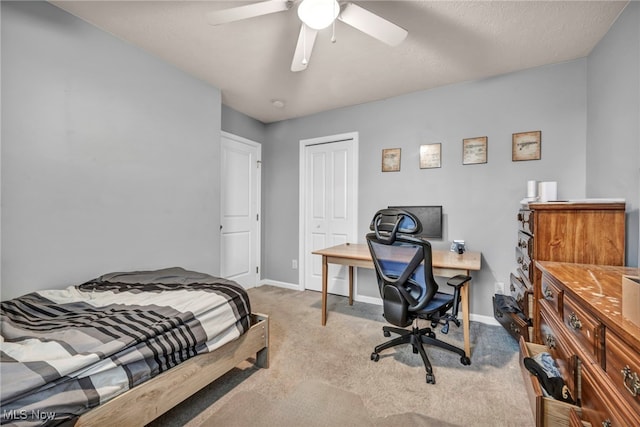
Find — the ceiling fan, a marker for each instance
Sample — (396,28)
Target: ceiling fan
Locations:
(315,15)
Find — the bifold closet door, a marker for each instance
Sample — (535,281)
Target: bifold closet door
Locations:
(330,209)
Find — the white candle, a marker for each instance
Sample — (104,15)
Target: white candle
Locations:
(531,189)
(548,191)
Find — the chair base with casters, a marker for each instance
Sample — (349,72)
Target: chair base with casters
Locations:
(417,337)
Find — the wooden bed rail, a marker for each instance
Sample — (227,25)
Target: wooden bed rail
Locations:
(149,400)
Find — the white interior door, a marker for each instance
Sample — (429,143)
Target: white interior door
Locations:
(240,210)
(329,206)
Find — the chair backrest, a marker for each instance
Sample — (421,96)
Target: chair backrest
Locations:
(402,262)
(387,223)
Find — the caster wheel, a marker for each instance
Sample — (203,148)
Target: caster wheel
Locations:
(465,360)
(375,357)
(431,379)
(386,334)
(431,335)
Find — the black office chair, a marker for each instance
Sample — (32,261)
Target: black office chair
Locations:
(409,292)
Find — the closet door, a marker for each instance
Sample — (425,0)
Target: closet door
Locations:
(330,208)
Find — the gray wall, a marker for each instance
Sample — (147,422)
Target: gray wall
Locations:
(613,120)
(242,125)
(109,155)
(588,111)
(480,201)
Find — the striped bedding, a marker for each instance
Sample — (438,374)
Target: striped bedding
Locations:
(66,351)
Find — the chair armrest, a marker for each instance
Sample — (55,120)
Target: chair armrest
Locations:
(459,280)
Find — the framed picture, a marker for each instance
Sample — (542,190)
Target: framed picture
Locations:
(474,150)
(526,146)
(390,160)
(430,156)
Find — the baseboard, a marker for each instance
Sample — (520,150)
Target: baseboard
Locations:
(368,300)
(285,285)
(487,320)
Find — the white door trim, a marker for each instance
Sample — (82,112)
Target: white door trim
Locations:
(304,143)
(258,147)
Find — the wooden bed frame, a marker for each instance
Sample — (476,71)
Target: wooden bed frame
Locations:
(149,400)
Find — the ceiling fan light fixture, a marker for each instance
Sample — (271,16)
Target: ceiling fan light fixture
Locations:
(318,14)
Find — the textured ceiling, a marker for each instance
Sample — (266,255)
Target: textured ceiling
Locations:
(448,42)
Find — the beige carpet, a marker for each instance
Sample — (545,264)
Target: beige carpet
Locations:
(311,404)
(323,376)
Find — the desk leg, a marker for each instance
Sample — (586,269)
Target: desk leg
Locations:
(465,318)
(325,273)
(351,285)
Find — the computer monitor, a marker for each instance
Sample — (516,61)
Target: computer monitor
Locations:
(430,218)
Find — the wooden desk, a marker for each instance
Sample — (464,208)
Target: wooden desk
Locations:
(445,264)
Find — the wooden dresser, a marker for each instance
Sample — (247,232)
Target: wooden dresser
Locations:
(590,233)
(598,350)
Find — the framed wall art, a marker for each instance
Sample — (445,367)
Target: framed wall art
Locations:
(474,150)
(430,156)
(391,160)
(526,146)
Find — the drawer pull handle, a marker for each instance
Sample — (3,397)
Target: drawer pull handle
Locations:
(522,244)
(514,328)
(631,381)
(551,341)
(548,294)
(525,267)
(574,322)
(512,288)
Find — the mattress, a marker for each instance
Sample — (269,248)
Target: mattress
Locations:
(66,351)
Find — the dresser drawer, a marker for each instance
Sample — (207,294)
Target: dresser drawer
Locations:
(525,279)
(575,421)
(522,295)
(524,264)
(623,368)
(525,243)
(547,412)
(548,334)
(516,326)
(557,344)
(525,221)
(599,406)
(552,295)
(583,327)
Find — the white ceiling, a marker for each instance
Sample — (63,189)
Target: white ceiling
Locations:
(448,42)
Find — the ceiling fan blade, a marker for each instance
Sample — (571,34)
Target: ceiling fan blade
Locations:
(372,24)
(239,13)
(306,39)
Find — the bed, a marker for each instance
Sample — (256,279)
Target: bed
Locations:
(122,348)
